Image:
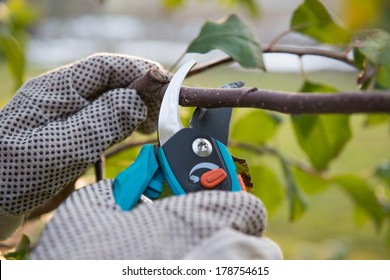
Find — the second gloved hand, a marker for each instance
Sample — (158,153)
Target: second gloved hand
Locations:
(200,225)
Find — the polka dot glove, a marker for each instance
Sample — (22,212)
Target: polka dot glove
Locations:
(201,225)
(59,123)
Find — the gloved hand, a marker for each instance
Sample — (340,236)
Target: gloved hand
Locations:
(59,123)
(201,225)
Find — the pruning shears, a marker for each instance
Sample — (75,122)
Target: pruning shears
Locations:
(189,159)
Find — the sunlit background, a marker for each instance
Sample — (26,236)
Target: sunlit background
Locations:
(63,31)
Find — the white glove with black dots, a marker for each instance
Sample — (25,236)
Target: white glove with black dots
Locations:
(59,123)
(201,225)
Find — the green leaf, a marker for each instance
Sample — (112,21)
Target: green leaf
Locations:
(234,38)
(363,196)
(383,77)
(313,19)
(360,216)
(358,58)
(388,239)
(375,46)
(255,127)
(295,197)
(310,183)
(22,250)
(372,51)
(321,137)
(383,171)
(267,187)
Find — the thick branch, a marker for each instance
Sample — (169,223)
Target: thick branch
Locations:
(290,103)
(284,102)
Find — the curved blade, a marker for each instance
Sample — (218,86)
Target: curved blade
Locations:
(169,122)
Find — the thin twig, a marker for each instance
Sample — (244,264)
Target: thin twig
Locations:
(209,65)
(126,145)
(302,69)
(273,43)
(373,79)
(99,167)
(174,65)
(342,57)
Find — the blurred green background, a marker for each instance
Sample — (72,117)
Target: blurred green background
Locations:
(331,228)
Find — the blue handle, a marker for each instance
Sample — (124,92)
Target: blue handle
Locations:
(231,167)
(169,175)
(156,184)
(132,182)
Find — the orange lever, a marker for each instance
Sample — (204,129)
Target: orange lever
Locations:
(212,178)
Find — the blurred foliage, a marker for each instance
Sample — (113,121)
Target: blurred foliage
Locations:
(251,6)
(372,56)
(277,176)
(313,19)
(357,14)
(16,16)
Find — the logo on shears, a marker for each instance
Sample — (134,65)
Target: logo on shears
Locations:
(204,165)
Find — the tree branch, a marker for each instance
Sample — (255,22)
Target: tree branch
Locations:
(283,102)
(342,57)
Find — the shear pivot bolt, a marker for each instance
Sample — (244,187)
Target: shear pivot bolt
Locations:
(202,147)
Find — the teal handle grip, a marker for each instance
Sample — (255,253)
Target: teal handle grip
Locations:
(231,167)
(132,182)
(169,175)
(156,184)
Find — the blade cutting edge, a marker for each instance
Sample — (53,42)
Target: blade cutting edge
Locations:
(169,122)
